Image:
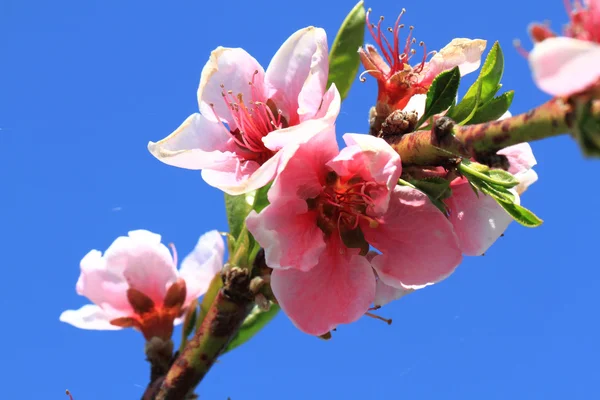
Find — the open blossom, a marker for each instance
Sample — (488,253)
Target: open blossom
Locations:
(136,283)
(328,207)
(248,115)
(568,64)
(397,80)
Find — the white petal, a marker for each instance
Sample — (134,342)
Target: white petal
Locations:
(88,317)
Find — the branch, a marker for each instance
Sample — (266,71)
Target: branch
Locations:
(445,140)
(225,316)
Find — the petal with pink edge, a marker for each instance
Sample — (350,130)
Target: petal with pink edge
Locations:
(233,68)
(200,266)
(338,290)
(288,232)
(301,171)
(297,74)
(198,143)
(464,53)
(236,176)
(88,317)
(146,264)
(563,66)
(416,240)
(478,221)
(102,286)
(385,294)
(520,157)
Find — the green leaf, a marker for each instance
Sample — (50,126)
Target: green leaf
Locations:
(484,173)
(522,215)
(343,57)
(499,193)
(254,322)
(493,109)
(441,94)
(483,90)
(237,208)
(213,289)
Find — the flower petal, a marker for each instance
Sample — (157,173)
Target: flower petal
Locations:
(146,264)
(198,143)
(297,74)
(237,176)
(385,294)
(417,243)
(563,66)
(338,290)
(478,221)
(464,53)
(233,68)
(416,103)
(288,232)
(88,317)
(520,157)
(200,266)
(103,287)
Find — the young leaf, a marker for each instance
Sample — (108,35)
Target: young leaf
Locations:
(522,215)
(343,57)
(237,208)
(587,129)
(483,90)
(493,109)
(441,94)
(484,173)
(252,325)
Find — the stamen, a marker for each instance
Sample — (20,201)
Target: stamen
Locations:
(69,394)
(371,315)
(520,49)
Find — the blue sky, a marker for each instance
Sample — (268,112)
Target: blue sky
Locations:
(84,85)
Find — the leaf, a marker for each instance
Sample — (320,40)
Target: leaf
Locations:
(213,289)
(493,109)
(343,57)
(522,215)
(253,323)
(483,89)
(501,194)
(484,173)
(237,208)
(441,94)
(587,129)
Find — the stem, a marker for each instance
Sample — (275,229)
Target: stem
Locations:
(444,141)
(228,310)
(159,354)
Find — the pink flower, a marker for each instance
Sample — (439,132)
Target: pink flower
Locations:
(136,283)
(398,81)
(327,208)
(564,65)
(248,115)
(479,221)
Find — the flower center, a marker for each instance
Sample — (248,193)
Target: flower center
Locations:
(343,203)
(253,119)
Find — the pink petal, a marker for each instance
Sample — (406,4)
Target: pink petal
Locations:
(301,172)
(385,294)
(563,66)
(339,290)
(477,221)
(298,134)
(146,264)
(200,266)
(464,53)
(88,317)
(520,157)
(297,74)
(330,107)
(198,143)
(288,232)
(238,176)
(234,69)
(101,286)
(416,240)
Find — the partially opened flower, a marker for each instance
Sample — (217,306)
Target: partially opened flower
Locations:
(241,105)
(479,220)
(327,208)
(568,64)
(399,81)
(136,283)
